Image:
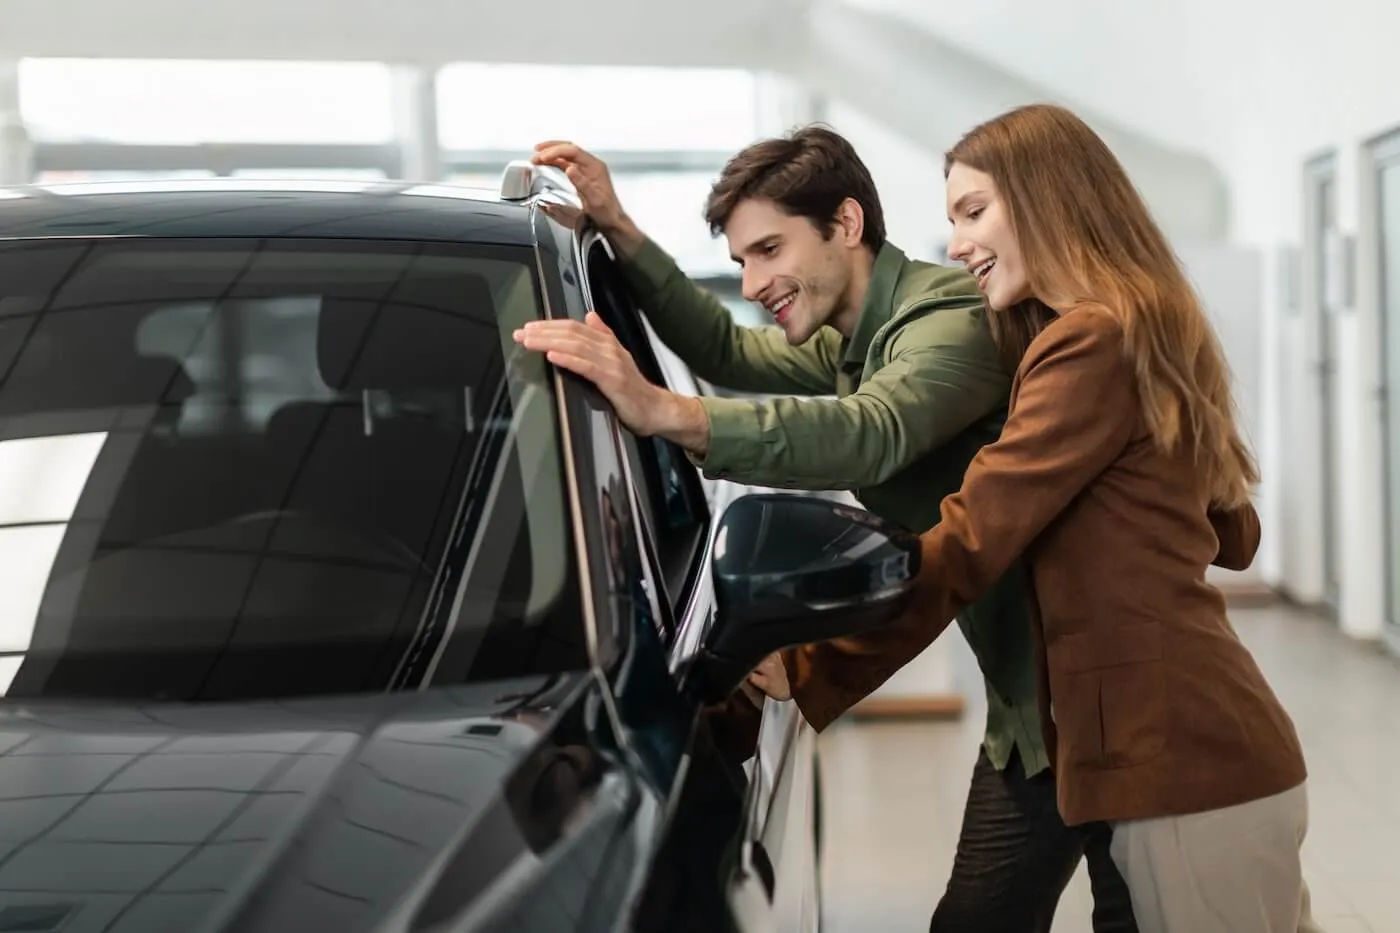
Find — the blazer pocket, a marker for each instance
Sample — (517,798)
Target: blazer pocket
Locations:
(1108,694)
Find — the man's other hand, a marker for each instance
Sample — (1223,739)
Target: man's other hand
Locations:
(592,351)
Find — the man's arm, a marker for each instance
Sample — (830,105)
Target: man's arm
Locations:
(691,321)
(943,376)
(701,331)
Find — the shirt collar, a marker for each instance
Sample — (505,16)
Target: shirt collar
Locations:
(879,303)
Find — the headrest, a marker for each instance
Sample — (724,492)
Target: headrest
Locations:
(429,334)
(75,359)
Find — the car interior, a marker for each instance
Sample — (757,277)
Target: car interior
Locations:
(285,464)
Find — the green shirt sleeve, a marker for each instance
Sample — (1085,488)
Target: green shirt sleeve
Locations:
(698,329)
(943,376)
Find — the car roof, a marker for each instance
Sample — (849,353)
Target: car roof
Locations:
(221,207)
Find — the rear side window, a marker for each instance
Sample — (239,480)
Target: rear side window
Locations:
(258,468)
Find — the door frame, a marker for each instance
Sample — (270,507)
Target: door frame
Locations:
(1320,181)
(1385,155)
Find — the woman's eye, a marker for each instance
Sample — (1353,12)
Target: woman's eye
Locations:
(974,213)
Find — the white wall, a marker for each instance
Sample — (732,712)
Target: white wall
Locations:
(908,176)
(1260,88)
(1337,96)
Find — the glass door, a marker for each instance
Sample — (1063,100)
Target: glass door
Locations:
(1322,218)
(1388,217)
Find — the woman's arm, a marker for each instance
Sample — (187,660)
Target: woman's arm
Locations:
(1237,530)
(1073,413)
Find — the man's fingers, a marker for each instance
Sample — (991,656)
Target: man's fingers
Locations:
(594,320)
(566,343)
(555,150)
(566,156)
(580,365)
(539,335)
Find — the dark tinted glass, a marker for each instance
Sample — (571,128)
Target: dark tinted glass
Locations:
(237,469)
(677,509)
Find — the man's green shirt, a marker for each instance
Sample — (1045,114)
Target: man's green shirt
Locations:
(919,389)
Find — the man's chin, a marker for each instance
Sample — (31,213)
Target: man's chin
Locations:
(796,336)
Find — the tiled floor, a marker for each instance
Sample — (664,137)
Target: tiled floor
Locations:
(895,790)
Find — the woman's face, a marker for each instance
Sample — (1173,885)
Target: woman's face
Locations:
(982,237)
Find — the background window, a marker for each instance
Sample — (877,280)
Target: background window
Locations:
(670,208)
(188,102)
(512,107)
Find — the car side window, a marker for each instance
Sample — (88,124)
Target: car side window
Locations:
(675,505)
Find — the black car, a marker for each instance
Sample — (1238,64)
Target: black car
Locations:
(327,608)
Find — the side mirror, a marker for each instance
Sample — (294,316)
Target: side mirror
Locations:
(791,570)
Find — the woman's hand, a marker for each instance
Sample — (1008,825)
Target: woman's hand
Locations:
(771,677)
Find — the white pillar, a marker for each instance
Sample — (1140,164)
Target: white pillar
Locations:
(415,123)
(16,148)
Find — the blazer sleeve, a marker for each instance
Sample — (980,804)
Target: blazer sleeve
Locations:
(1075,410)
(1238,532)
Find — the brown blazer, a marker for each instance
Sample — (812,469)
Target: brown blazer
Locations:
(1157,707)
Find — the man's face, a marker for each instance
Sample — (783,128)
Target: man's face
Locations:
(799,276)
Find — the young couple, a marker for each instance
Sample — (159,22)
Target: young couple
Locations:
(1057,413)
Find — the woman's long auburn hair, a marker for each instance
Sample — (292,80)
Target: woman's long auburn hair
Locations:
(1088,242)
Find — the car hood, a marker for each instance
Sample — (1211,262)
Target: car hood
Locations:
(332,814)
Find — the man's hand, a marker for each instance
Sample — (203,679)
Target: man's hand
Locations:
(590,176)
(593,352)
(771,677)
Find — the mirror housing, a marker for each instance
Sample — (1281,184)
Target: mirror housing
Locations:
(791,570)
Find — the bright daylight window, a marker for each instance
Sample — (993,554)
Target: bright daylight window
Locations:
(670,207)
(613,109)
(188,102)
(483,106)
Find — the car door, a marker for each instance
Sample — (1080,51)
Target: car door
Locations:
(774,882)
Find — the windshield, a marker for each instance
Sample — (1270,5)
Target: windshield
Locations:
(259,468)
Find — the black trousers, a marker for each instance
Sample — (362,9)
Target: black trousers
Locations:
(1015,856)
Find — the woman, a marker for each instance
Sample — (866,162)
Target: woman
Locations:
(1121,475)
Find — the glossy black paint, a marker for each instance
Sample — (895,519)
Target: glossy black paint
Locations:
(334,813)
(798,569)
(589,801)
(231,208)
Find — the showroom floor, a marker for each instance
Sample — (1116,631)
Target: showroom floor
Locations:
(896,790)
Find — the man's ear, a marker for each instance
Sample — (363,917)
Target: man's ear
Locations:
(850,222)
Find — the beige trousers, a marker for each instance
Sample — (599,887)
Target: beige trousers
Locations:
(1233,870)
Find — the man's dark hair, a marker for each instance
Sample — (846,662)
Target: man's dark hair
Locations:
(807,173)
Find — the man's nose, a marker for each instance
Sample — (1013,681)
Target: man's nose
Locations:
(754,284)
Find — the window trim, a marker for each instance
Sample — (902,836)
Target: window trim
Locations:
(644,462)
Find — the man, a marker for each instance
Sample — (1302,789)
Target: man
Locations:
(919,388)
